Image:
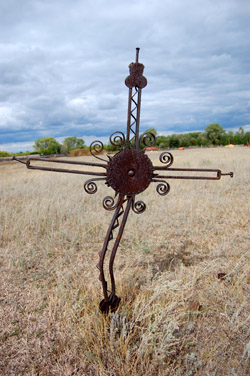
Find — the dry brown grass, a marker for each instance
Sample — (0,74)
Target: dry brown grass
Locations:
(79,152)
(176,317)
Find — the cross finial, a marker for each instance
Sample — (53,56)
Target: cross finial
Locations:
(137,54)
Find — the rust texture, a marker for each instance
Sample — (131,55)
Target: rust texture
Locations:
(128,173)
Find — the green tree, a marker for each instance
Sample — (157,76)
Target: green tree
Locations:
(162,142)
(71,143)
(174,141)
(247,136)
(111,148)
(215,133)
(202,139)
(185,140)
(240,137)
(230,137)
(4,154)
(152,130)
(47,145)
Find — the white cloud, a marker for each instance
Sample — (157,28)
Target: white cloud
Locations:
(63,65)
(15,147)
(5,115)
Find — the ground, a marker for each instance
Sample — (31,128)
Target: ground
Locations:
(182,271)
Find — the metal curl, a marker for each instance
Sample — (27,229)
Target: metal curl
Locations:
(166,158)
(138,207)
(117,139)
(147,139)
(90,187)
(97,146)
(109,203)
(163,188)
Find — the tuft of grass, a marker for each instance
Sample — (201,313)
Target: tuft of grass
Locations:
(178,316)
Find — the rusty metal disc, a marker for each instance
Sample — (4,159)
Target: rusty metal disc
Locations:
(129,172)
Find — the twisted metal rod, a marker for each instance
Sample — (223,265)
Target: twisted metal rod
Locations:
(117,242)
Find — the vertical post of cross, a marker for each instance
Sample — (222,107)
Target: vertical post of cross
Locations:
(135,81)
(129,118)
(137,54)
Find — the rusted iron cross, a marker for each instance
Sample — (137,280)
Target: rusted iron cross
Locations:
(129,172)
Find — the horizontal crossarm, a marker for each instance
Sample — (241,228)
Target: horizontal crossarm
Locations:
(217,173)
(71,171)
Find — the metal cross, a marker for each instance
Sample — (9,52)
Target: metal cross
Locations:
(129,172)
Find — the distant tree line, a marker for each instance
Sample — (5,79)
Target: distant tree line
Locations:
(49,145)
(214,135)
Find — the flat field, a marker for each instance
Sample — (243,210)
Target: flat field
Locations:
(177,317)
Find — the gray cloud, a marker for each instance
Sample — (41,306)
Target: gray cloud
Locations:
(63,66)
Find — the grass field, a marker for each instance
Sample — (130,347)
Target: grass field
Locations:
(176,316)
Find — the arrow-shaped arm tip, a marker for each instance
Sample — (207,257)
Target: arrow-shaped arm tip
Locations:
(231,174)
(19,160)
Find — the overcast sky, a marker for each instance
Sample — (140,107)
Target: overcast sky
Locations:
(63,65)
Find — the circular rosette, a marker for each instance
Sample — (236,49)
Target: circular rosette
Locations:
(117,139)
(147,139)
(138,207)
(163,188)
(129,172)
(90,187)
(109,203)
(166,158)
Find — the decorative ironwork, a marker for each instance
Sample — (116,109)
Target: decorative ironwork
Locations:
(128,173)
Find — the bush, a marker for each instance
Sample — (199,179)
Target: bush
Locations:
(4,154)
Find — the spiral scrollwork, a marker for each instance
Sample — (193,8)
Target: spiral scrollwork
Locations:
(138,207)
(96,147)
(163,188)
(109,203)
(147,139)
(117,139)
(166,158)
(90,187)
